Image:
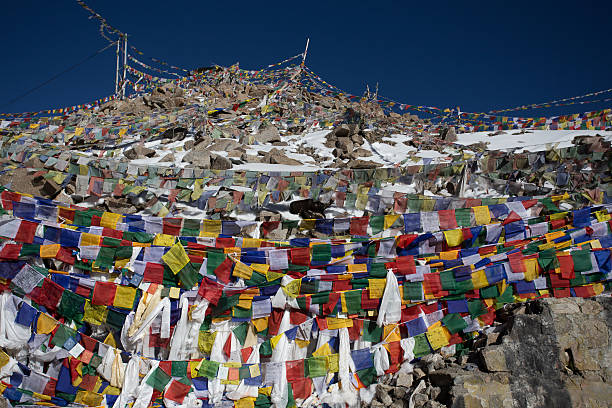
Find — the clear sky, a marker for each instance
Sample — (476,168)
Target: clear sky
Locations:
(476,55)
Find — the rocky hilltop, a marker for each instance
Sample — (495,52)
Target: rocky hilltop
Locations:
(261,238)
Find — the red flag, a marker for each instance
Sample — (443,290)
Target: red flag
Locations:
(227,347)
(26,231)
(359,226)
(246,353)
(512,217)
(447,219)
(177,391)
(566,264)
(104,293)
(224,271)
(210,290)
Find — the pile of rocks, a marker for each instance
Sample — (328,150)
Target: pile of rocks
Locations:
(347,141)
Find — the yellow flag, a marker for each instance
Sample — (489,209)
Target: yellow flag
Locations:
(124,297)
(332,363)
(254,370)
(45,324)
(292,289)
(390,220)
(110,220)
(242,271)
(176,258)
(251,243)
(205,341)
(479,279)
(164,240)
(482,215)
(355,268)
(211,228)
(602,216)
(89,398)
(274,340)
(324,350)
(391,333)
(376,287)
(247,402)
(438,337)
(4,358)
(94,314)
(449,255)
(245,301)
(453,237)
(88,239)
(531,269)
(261,268)
(110,340)
(334,323)
(260,324)
(49,251)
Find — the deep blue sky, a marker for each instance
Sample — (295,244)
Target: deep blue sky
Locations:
(478,55)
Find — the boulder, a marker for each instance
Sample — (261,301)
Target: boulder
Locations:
(362,164)
(218,162)
(448,134)
(197,157)
(382,394)
(344,143)
(269,134)
(224,145)
(50,189)
(276,156)
(404,380)
(139,152)
(168,158)
(361,152)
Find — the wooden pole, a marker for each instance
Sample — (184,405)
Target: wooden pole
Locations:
(117,70)
(124,66)
(305,52)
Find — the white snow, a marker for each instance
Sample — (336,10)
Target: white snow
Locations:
(534,140)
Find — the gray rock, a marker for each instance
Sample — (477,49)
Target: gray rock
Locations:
(189,144)
(418,373)
(433,392)
(398,404)
(448,134)
(362,164)
(139,152)
(198,158)
(403,380)
(276,156)
(377,404)
(382,394)
(342,131)
(268,135)
(357,139)
(433,362)
(361,152)
(399,392)
(50,189)
(218,162)
(494,358)
(420,400)
(224,145)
